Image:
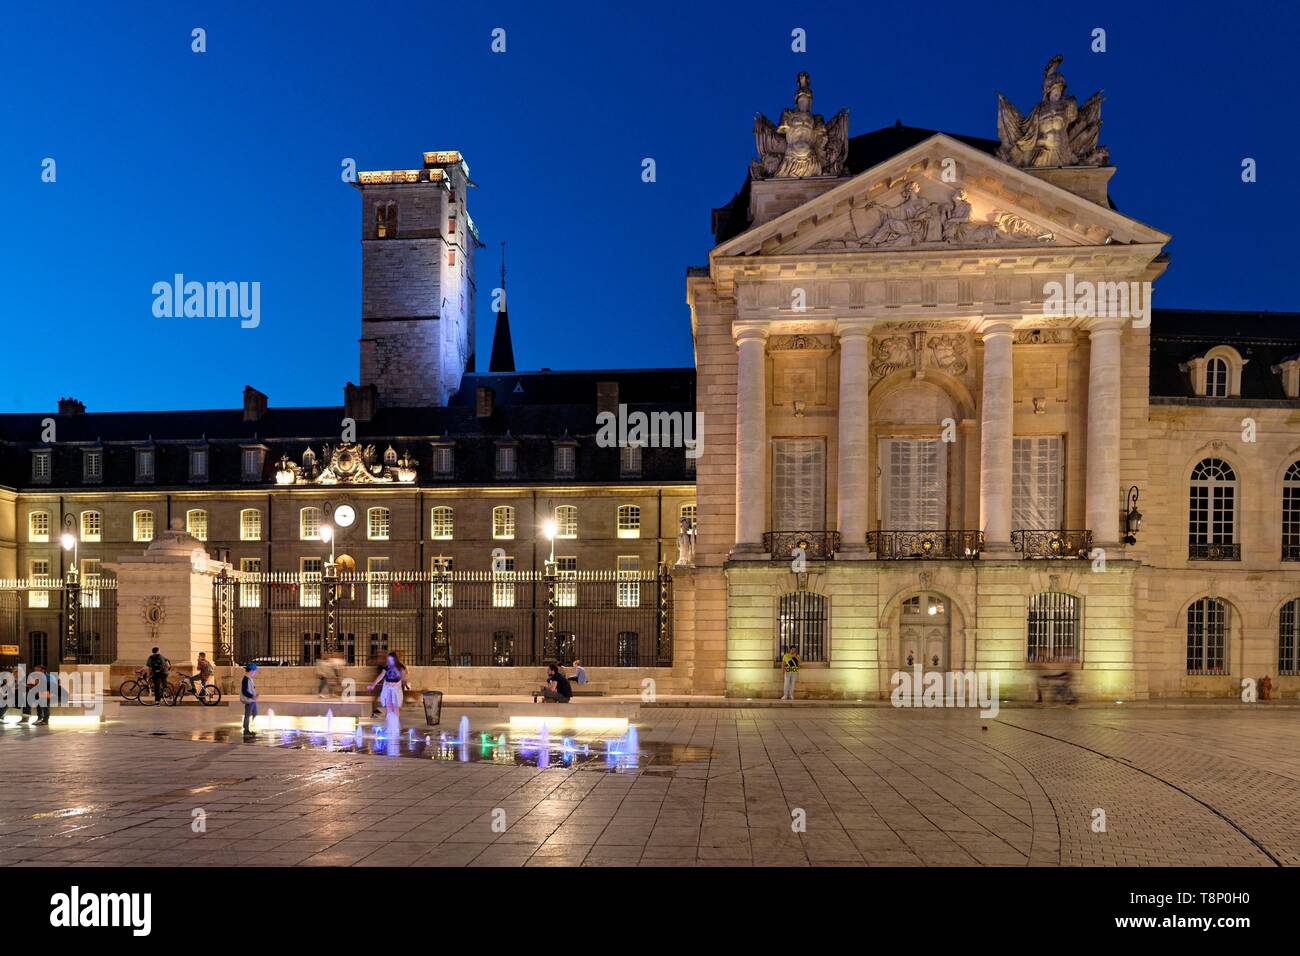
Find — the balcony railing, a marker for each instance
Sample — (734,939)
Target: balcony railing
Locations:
(1220,551)
(1052,544)
(816,544)
(1291,552)
(907,545)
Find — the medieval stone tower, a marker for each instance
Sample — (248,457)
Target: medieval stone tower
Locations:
(417,280)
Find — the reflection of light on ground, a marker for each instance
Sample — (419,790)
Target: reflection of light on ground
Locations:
(274,723)
(595,726)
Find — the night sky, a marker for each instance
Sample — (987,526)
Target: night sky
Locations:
(225,165)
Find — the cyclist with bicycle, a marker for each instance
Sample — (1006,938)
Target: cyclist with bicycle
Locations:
(202,675)
(158,668)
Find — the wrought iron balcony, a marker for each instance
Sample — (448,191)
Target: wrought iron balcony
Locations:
(1220,551)
(1291,552)
(907,545)
(816,544)
(1054,543)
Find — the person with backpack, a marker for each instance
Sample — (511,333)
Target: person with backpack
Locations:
(202,675)
(157,665)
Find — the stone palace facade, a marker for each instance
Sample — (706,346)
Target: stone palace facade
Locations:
(941,428)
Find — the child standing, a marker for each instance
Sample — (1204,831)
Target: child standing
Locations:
(248,696)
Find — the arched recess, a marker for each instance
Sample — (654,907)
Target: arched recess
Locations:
(895,617)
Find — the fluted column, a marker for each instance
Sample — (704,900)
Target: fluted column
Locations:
(996,432)
(751,434)
(854,438)
(1104,363)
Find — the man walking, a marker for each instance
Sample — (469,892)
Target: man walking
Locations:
(790,667)
(157,665)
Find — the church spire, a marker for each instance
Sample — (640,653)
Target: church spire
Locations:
(503,351)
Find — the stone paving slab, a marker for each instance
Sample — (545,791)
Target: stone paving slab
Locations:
(872,787)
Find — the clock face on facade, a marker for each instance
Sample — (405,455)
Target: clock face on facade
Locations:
(344,516)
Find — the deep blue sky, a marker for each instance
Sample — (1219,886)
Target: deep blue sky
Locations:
(226,165)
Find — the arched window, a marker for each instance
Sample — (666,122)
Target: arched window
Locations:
(690,513)
(377,524)
(566,521)
(250,525)
(503,522)
(196,523)
(1288,639)
(38,526)
(1212,512)
(92,526)
(1216,378)
(629,521)
(1207,636)
(801,621)
(142,526)
(309,524)
(1053,627)
(442,523)
(1291,513)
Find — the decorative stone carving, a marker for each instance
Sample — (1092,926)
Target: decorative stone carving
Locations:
(948,352)
(916,222)
(803,144)
(1043,337)
(799,343)
(1057,131)
(685,544)
(348,463)
(890,354)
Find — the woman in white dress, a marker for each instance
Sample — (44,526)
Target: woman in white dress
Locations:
(393,677)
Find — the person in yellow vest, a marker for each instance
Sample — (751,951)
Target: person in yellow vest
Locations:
(790,667)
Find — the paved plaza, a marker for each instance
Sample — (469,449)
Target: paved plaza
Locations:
(1214,785)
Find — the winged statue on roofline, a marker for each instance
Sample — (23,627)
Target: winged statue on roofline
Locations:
(1057,131)
(802,144)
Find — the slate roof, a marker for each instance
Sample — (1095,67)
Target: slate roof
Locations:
(532,408)
(1263,339)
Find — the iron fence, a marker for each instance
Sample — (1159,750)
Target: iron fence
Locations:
(455,618)
(52,620)
(1052,543)
(904,545)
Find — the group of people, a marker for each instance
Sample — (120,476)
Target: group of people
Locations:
(558,687)
(38,687)
(157,669)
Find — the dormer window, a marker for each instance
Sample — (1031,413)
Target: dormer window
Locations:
(252,461)
(1289,370)
(144,465)
(199,463)
(1217,373)
(506,460)
(41,467)
(444,461)
(92,466)
(566,458)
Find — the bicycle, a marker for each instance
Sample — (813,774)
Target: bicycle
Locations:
(133,688)
(211,694)
(147,698)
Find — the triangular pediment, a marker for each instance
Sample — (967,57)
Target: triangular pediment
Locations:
(940,195)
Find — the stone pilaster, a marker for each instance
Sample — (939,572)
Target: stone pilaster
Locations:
(996,432)
(854,459)
(1104,365)
(751,434)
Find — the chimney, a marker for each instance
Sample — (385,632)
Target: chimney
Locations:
(484,400)
(359,401)
(70,406)
(607,397)
(254,404)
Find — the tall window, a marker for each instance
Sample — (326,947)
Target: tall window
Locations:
(629,461)
(566,457)
(38,526)
(250,592)
(250,525)
(142,526)
(444,461)
(503,582)
(198,464)
(196,523)
(915,492)
(39,573)
(801,621)
(41,468)
(1288,639)
(566,521)
(1207,636)
(629,521)
(377,524)
(1216,378)
(1037,483)
(799,484)
(1291,513)
(629,580)
(377,586)
(90,575)
(503,522)
(386,220)
(1053,627)
(442,523)
(309,524)
(691,514)
(92,467)
(251,461)
(92,526)
(566,585)
(505,460)
(1211,521)
(144,464)
(309,582)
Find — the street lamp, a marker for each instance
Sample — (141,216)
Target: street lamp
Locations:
(549,528)
(1132,520)
(70,540)
(327,535)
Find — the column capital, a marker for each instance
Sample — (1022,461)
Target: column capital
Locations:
(849,328)
(1104,324)
(994,325)
(749,331)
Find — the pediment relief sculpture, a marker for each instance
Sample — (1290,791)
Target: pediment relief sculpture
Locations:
(802,144)
(948,352)
(1057,131)
(916,222)
(889,354)
(348,463)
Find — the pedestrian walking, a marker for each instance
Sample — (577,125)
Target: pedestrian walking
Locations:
(790,669)
(248,697)
(39,685)
(393,676)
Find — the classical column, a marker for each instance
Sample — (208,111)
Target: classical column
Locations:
(751,434)
(996,412)
(1103,502)
(854,439)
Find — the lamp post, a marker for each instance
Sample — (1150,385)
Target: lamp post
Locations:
(1133,519)
(549,648)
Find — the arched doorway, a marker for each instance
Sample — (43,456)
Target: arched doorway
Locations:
(925,632)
